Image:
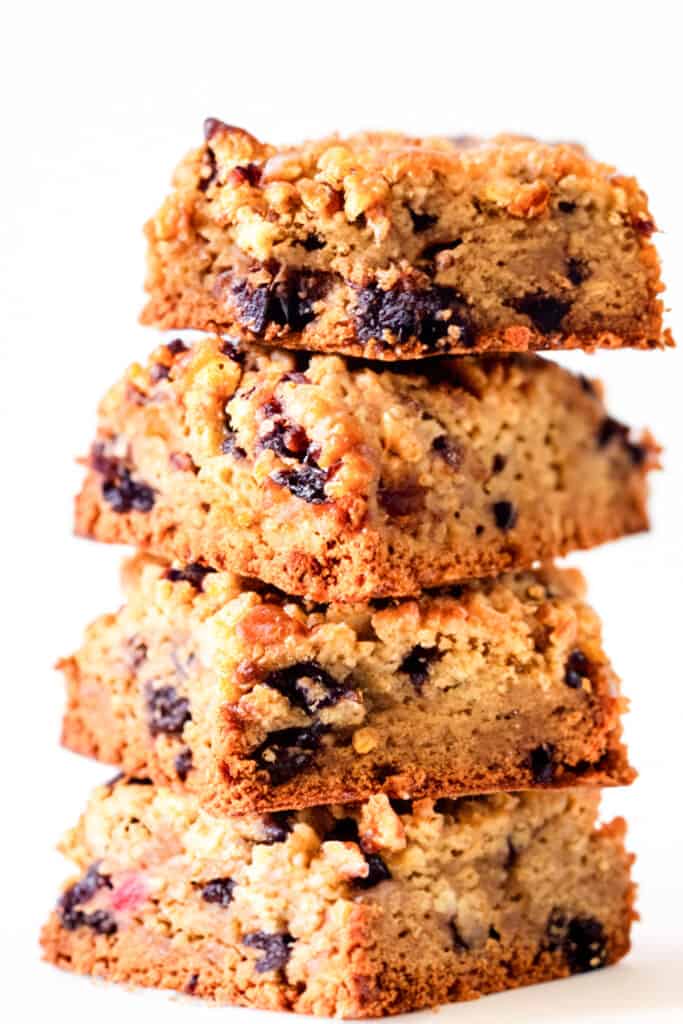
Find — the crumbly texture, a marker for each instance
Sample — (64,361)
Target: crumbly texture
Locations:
(354,911)
(392,247)
(336,480)
(256,702)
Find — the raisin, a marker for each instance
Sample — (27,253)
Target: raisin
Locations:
(401,806)
(576,669)
(498,464)
(582,940)
(101,922)
(566,206)
(276,827)
(505,514)
(408,312)
(416,664)
(312,242)
(286,439)
(577,270)
(541,762)
(166,711)
(459,943)
(191,985)
(218,890)
(176,347)
(194,573)
(276,948)
(229,446)
(401,501)
(183,763)
(306,482)
(611,429)
(286,752)
(546,312)
(421,221)
(230,347)
(68,907)
(450,450)
(307,685)
(345,830)
(286,303)
(246,174)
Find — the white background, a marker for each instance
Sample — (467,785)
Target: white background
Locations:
(98,103)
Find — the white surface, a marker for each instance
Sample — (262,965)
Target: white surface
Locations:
(98,104)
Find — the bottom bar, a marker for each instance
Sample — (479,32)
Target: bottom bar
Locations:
(356,911)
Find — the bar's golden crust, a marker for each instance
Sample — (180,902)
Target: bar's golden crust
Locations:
(478,896)
(339,481)
(392,247)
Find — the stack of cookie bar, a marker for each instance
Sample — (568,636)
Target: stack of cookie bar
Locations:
(362,721)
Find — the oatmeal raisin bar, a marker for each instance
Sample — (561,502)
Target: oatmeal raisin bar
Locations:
(390,247)
(257,702)
(338,480)
(351,911)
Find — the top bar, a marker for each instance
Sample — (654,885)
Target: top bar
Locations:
(390,247)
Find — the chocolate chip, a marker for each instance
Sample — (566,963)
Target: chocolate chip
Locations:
(276,949)
(546,312)
(407,313)
(218,890)
(505,514)
(421,221)
(167,713)
(71,900)
(498,464)
(577,270)
(276,827)
(416,664)
(305,482)
(459,943)
(307,685)
(401,501)
(541,762)
(582,940)
(450,450)
(183,763)
(576,669)
(287,752)
(193,572)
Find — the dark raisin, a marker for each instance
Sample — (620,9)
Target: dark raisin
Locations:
(101,922)
(546,312)
(212,125)
(176,346)
(541,762)
(494,934)
(166,711)
(276,827)
(576,669)
(405,313)
(582,940)
(344,830)
(138,780)
(312,242)
(422,221)
(218,890)
(276,948)
(401,501)
(401,806)
(229,446)
(305,482)
(124,494)
(286,439)
(246,174)
(183,763)
(231,348)
(577,270)
(286,303)
(611,429)
(191,985)
(416,664)
(505,514)
(450,450)
(307,685)
(498,464)
(286,752)
(566,206)
(68,907)
(378,872)
(193,572)
(459,943)
(158,371)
